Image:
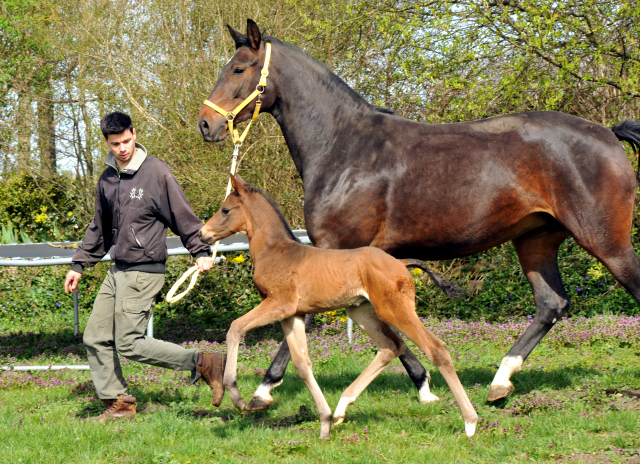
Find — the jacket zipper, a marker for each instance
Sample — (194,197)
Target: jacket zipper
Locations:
(119,214)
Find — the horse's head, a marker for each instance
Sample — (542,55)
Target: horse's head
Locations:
(237,80)
(231,217)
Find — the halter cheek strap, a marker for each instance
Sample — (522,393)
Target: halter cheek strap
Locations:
(231,115)
(237,141)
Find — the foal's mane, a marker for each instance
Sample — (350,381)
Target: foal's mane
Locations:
(334,80)
(276,208)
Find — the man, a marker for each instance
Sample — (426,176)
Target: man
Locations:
(137,198)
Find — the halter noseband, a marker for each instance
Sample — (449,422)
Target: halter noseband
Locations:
(231,115)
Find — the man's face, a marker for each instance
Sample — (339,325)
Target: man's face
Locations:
(123,146)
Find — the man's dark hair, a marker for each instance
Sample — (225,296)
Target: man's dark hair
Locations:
(115,123)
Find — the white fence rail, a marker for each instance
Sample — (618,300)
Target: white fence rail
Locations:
(61,253)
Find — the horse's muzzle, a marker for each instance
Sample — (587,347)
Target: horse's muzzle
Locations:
(212,132)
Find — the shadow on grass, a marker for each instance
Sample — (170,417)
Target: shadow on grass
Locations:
(334,384)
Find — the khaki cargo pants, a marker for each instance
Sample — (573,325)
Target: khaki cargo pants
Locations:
(118,324)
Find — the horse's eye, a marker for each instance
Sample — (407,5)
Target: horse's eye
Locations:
(225,211)
(238,71)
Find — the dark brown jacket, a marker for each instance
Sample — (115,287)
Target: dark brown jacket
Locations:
(134,207)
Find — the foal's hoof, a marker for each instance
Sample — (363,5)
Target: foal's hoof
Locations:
(241,405)
(258,404)
(499,391)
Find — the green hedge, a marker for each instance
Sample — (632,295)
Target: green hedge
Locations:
(496,289)
(39,207)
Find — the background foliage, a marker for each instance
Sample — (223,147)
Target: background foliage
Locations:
(66,63)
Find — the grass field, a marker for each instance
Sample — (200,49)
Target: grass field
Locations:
(576,400)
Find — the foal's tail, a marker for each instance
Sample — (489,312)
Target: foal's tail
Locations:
(629,131)
(451,289)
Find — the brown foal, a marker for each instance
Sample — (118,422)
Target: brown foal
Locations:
(294,280)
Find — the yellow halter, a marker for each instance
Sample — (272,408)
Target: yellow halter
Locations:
(231,115)
(237,141)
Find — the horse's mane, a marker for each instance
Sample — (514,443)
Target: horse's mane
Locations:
(332,77)
(276,208)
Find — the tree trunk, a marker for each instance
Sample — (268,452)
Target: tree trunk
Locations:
(47,131)
(24,120)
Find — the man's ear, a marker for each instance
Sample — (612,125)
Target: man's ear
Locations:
(240,39)
(253,34)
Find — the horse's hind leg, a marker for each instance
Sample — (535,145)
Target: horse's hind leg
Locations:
(401,314)
(294,331)
(616,252)
(419,375)
(262,398)
(538,254)
(389,344)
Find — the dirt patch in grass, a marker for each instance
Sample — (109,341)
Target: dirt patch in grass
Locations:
(304,415)
(625,399)
(584,458)
(398,370)
(151,408)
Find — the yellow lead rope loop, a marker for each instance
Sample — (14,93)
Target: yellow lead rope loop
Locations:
(237,142)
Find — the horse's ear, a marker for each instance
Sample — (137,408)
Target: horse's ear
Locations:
(237,37)
(238,184)
(253,33)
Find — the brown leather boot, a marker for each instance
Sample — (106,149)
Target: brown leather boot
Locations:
(211,366)
(122,408)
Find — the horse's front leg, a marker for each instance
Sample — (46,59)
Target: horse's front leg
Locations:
(265,313)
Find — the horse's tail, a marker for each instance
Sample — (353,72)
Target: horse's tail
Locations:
(629,131)
(451,289)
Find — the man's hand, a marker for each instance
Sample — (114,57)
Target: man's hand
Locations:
(71,282)
(204,263)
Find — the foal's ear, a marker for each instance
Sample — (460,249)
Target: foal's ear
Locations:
(238,184)
(237,37)
(253,33)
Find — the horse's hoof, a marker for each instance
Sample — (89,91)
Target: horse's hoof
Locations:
(338,420)
(241,405)
(258,404)
(499,391)
(426,398)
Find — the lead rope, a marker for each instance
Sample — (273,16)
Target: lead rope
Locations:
(237,141)
(194,271)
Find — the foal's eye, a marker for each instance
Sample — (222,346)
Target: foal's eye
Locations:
(238,71)
(225,211)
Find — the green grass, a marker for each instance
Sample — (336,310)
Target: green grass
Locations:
(560,411)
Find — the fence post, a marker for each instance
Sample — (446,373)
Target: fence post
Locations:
(150,327)
(76,315)
(350,330)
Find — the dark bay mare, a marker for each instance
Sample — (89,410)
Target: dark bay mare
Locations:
(440,191)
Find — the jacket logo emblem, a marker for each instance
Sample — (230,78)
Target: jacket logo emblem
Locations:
(138,195)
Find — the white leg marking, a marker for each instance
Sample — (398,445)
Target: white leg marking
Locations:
(341,409)
(424,394)
(470,429)
(264,391)
(510,365)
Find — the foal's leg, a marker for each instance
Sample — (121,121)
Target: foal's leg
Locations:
(262,398)
(400,313)
(266,312)
(296,338)
(389,346)
(538,254)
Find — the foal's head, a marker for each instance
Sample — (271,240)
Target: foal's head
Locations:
(231,217)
